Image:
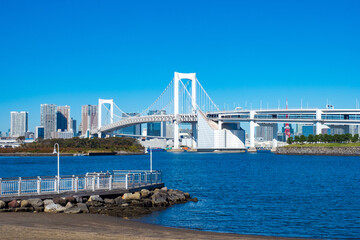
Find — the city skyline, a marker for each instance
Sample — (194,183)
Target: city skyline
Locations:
(244,53)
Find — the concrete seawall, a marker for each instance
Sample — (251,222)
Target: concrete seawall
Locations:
(331,151)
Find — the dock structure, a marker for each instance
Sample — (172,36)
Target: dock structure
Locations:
(93,183)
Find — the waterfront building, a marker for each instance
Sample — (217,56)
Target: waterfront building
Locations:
(266,132)
(339,129)
(29,135)
(307,130)
(158,128)
(62,134)
(63,120)
(18,123)
(354,129)
(48,119)
(298,129)
(132,130)
(39,132)
(89,119)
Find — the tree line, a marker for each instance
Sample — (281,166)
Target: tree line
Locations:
(324,138)
(79,145)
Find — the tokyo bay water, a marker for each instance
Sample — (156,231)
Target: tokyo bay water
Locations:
(262,193)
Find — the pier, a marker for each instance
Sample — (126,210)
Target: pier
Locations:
(93,183)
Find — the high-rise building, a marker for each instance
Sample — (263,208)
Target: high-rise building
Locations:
(307,130)
(73,126)
(48,119)
(19,123)
(89,118)
(39,132)
(132,130)
(158,128)
(63,120)
(266,132)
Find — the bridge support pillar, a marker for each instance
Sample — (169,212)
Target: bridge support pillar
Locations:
(318,125)
(194,135)
(176,135)
(252,132)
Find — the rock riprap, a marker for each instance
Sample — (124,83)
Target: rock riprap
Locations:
(125,205)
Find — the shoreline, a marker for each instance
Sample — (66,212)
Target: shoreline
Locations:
(319,150)
(90,154)
(91,226)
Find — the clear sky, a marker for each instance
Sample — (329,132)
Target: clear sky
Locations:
(74,52)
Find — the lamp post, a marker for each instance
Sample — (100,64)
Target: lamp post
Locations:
(58,165)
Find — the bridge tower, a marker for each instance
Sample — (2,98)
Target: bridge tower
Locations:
(101,103)
(178,77)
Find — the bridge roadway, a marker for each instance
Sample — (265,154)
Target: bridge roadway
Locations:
(323,116)
(319,117)
(181,118)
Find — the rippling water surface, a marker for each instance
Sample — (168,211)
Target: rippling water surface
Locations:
(262,193)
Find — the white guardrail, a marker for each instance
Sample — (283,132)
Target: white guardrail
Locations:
(118,179)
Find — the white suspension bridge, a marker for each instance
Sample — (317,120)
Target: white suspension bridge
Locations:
(185,100)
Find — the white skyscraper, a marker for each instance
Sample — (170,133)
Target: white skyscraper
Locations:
(48,119)
(19,123)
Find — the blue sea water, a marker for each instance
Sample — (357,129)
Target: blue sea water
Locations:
(262,193)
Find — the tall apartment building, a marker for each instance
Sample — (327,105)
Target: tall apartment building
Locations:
(48,115)
(19,123)
(89,118)
(63,118)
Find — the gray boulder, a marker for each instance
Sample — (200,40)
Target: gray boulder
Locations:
(2,204)
(36,202)
(144,193)
(159,199)
(83,207)
(48,201)
(73,210)
(119,200)
(60,201)
(109,201)
(54,208)
(69,205)
(95,198)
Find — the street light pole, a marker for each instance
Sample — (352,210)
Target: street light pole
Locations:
(58,165)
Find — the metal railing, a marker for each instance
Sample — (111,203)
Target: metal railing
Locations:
(117,179)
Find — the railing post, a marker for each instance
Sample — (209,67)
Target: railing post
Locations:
(110,182)
(140,175)
(151,177)
(146,180)
(38,183)
(72,183)
(86,182)
(98,182)
(93,183)
(0,186)
(19,186)
(126,181)
(76,184)
(55,184)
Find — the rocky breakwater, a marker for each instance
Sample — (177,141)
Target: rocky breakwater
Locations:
(314,150)
(127,205)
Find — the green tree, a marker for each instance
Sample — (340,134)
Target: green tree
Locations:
(297,139)
(302,139)
(310,138)
(317,138)
(355,138)
(290,140)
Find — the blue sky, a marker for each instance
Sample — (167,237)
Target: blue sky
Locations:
(73,52)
